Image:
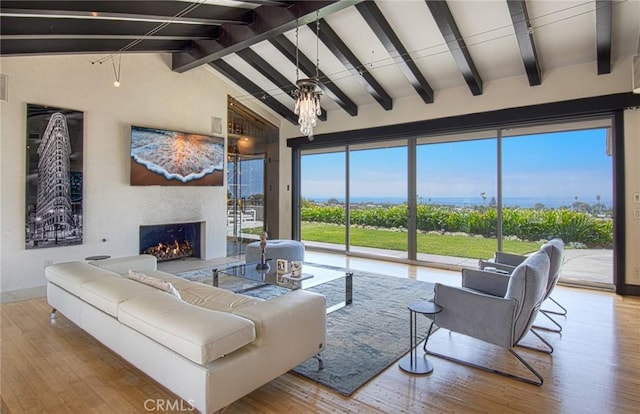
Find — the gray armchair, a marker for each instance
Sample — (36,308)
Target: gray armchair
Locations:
(506,262)
(499,320)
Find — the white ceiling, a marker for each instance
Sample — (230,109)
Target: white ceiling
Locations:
(564,33)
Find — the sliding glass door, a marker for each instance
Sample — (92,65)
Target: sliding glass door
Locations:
(378,199)
(457,198)
(323,203)
(560,184)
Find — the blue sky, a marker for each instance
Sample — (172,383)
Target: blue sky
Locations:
(565,164)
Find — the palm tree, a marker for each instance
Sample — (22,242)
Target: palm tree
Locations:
(484,197)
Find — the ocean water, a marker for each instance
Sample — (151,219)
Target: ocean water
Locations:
(524,202)
(175,155)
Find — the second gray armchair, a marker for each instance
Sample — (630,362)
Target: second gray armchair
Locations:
(506,263)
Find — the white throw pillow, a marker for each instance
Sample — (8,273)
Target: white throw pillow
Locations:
(154,282)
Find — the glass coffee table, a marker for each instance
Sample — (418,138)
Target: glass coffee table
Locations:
(312,276)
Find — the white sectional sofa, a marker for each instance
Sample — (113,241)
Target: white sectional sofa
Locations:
(210,346)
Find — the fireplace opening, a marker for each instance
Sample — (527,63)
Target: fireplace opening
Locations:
(171,241)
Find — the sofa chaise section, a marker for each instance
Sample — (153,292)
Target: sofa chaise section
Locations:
(210,352)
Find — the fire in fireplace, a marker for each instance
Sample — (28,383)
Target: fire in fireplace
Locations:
(171,241)
(175,250)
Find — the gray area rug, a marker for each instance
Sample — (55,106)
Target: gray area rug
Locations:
(363,339)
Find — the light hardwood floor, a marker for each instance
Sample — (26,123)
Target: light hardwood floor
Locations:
(51,367)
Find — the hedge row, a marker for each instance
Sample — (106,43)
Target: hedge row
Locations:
(525,224)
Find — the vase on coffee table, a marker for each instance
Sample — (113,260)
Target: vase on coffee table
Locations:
(263,265)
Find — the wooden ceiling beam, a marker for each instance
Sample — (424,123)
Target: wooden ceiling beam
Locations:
(242,81)
(383,30)
(452,36)
(268,22)
(157,11)
(19,47)
(524,35)
(50,27)
(341,51)
(603,35)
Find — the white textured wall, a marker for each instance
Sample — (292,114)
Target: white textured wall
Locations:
(151,95)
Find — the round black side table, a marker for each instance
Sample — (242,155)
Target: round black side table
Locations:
(412,363)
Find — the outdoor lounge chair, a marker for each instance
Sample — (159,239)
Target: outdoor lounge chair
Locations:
(502,321)
(506,262)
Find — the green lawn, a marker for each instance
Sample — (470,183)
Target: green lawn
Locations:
(446,245)
(252,230)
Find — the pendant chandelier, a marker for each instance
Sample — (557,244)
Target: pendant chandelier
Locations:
(307,94)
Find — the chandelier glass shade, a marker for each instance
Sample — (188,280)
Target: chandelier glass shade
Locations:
(307,96)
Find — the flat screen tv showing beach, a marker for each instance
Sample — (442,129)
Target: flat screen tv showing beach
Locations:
(175,158)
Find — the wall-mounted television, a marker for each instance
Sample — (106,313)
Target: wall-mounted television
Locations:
(175,158)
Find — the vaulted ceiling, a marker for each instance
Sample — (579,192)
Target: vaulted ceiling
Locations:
(366,52)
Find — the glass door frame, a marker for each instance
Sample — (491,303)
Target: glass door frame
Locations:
(250,137)
(238,211)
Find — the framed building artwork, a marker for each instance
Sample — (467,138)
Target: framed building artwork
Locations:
(54,188)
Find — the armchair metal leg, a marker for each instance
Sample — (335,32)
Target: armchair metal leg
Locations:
(544,328)
(562,313)
(532,348)
(495,371)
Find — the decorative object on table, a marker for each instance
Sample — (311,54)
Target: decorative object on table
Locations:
(295,283)
(54,155)
(296,268)
(263,265)
(282,268)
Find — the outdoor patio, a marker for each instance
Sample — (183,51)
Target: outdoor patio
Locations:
(584,267)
